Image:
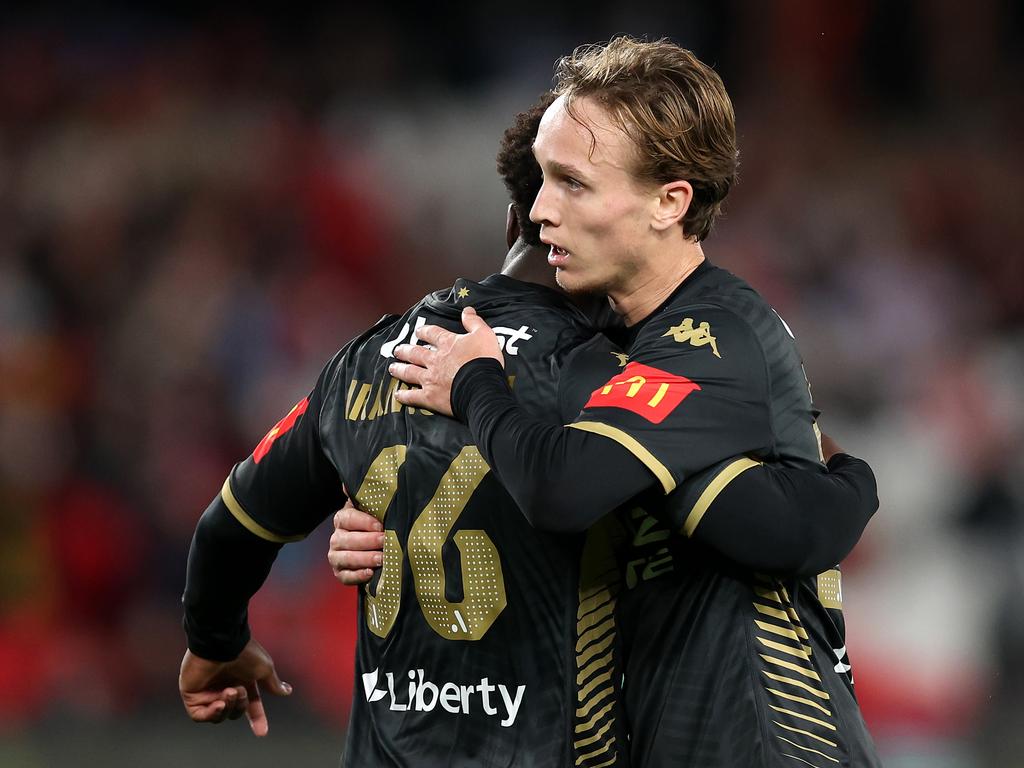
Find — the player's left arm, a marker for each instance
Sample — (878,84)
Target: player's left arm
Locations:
(278,494)
(782,520)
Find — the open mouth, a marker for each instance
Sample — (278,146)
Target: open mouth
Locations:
(557,256)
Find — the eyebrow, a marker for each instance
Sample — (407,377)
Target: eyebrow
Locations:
(567,170)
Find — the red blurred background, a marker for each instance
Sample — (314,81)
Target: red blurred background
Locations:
(196,211)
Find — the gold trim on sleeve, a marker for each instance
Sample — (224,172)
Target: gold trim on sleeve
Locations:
(716,486)
(251,525)
(632,445)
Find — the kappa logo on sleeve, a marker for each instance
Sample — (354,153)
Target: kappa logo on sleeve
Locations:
(699,336)
(279,429)
(646,391)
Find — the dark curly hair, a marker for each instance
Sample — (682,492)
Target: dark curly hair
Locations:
(518,167)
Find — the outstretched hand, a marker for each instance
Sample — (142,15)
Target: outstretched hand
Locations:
(214,691)
(432,369)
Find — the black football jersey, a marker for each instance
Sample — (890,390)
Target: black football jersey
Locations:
(482,642)
(724,667)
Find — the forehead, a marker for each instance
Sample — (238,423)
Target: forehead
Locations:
(589,139)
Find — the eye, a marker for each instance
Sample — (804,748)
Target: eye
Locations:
(572,183)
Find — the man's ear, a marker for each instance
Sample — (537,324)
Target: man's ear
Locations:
(674,201)
(511,226)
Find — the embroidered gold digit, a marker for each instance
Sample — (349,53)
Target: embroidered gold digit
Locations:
(482,579)
(374,496)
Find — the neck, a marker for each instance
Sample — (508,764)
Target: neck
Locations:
(530,264)
(656,282)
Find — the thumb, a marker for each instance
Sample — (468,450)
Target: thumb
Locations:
(275,685)
(471,321)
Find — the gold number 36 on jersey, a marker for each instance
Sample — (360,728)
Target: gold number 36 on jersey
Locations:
(483,582)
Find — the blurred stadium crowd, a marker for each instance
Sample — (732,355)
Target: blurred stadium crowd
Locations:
(195,213)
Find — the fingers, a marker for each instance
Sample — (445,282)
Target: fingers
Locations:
(433,335)
(216,706)
(353,568)
(471,321)
(255,713)
(415,398)
(411,353)
(354,578)
(485,343)
(207,713)
(275,684)
(353,554)
(204,706)
(410,374)
(353,561)
(356,543)
(237,701)
(360,541)
(348,518)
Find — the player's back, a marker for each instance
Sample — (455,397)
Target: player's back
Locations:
(466,652)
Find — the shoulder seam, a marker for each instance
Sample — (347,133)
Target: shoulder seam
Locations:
(764,370)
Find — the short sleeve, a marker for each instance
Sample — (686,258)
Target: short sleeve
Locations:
(287,486)
(693,393)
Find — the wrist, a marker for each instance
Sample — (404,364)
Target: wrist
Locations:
(476,375)
(216,647)
(837,460)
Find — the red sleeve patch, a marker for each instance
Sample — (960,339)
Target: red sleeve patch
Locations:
(646,391)
(279,429)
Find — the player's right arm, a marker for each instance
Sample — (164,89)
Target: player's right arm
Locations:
(635,431)
(682,419)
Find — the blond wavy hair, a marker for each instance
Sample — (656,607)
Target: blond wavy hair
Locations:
(674,108)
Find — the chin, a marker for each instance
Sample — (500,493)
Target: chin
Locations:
(574,284)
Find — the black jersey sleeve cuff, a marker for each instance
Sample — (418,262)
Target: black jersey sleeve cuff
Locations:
(216,646)
(858,473)
(837,460)
(478,381)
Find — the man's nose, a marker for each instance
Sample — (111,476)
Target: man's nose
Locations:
(543,210)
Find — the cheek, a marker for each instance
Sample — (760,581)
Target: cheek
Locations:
(622,218)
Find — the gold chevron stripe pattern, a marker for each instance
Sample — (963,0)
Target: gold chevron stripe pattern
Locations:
(597,680)
(800,707)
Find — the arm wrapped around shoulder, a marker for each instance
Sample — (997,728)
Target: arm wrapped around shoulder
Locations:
(561,479)
(782,520)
